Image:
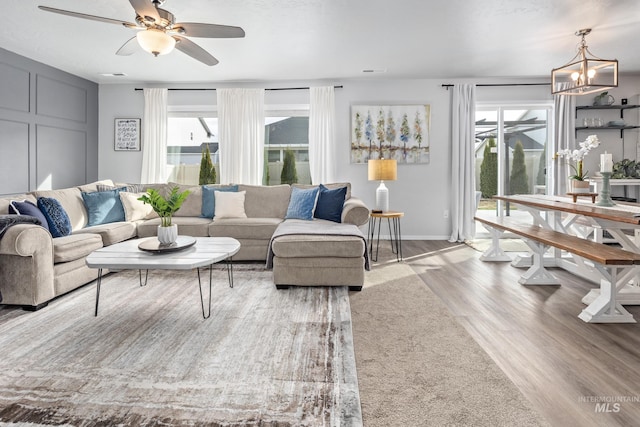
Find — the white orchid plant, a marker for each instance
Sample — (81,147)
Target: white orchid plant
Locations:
(578,155)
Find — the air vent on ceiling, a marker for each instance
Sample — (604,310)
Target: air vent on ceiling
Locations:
(113,74)
(375,70)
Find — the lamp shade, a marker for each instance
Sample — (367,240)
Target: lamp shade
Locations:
(155,41)
(383,170)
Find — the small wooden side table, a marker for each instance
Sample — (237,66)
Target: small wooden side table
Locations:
(375,219)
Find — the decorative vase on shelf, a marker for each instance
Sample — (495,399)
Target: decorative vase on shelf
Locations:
(167,234)
(578,186)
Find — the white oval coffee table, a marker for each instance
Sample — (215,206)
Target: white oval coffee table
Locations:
(127,255)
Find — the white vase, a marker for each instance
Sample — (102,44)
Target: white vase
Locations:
(167,235)
(580,186)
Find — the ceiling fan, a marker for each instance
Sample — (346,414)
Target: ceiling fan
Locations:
(158,33)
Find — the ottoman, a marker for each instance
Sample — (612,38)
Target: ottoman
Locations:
(318,260)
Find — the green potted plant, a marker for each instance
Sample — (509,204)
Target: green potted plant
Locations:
(165,208)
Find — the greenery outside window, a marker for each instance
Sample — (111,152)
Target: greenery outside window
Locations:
(188,133)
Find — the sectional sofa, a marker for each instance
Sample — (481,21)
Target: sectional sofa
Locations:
(36,267)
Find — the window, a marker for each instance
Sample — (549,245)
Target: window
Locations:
(286,133)
(188,133)
(512,151)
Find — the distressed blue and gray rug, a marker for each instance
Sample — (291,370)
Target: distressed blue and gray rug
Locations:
(264,358)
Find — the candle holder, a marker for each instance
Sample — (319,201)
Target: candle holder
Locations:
(604,198)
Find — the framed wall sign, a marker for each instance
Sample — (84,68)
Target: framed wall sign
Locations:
(127,135)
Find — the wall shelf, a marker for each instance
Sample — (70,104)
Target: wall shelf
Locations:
(606,107)
(620,108)
(599,128)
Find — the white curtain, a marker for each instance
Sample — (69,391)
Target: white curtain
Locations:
(241,135)
(154,136)
(322,138)
(463,186)
(564,136)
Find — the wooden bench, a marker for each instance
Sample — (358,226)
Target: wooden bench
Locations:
(615,265)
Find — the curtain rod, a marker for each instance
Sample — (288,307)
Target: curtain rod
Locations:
(447,86)
(278,88)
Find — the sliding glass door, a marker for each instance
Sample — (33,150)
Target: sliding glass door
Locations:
(513,146)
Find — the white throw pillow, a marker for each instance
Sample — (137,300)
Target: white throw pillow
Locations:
(229,204)
(134,209)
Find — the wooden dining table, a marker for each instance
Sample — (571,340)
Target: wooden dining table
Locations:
(619,224)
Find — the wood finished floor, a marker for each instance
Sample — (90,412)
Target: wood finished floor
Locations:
(533,334)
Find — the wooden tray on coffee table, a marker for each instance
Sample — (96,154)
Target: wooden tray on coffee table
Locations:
(153,245)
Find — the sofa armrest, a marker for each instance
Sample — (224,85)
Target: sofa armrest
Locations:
(355,212)
(26,265)
(26,240)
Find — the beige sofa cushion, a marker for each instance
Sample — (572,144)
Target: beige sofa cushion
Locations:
(266,201)
(72,202)
(244,228)
(189,226)
(318,246)
(112,232)
(91,187)
(6,201)
(75,246)
(192,206)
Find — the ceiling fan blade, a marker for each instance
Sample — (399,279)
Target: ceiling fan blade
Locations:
(85,16)
(215,31)
(193,50)
(129,47)
(146,9)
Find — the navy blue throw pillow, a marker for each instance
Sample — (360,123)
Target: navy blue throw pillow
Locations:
(330,203)
(57,218)
(28,208)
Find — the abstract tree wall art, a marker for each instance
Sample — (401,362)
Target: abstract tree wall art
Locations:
(398,132)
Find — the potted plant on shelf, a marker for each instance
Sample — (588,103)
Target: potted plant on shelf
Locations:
(165,208)
(579,182)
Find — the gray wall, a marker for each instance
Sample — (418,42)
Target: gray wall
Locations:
(48,127)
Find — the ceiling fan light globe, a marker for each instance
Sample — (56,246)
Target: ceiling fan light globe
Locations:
(155,41)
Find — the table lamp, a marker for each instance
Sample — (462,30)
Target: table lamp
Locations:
(382,170)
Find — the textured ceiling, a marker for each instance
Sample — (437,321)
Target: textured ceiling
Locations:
(332,39)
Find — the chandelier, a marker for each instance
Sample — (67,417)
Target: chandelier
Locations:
(585,73)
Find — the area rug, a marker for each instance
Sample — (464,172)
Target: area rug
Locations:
(264,358)
(417,366)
